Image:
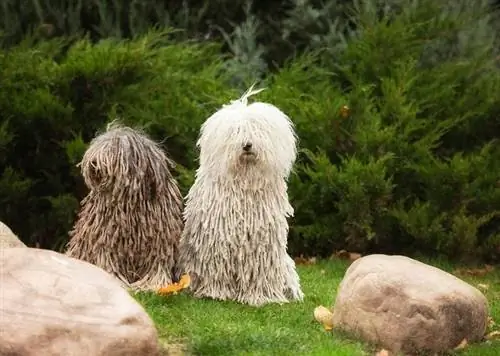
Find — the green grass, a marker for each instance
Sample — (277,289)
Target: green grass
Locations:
(208,327)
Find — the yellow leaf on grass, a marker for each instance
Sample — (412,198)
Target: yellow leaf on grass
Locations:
(351,256)
(324,316)
(483,286)
(185,281)
(463,344)
(494,335)
(301,260)
(176,287)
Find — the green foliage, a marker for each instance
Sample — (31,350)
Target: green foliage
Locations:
(258,34)
(421,170)
(395,106)
(53,101)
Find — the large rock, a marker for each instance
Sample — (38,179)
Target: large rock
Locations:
(8,239)
(53,305)
(404,305)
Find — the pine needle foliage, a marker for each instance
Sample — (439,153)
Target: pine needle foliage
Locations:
(421,168)
(395,104)
(55,96)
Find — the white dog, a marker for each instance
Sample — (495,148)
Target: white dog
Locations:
(234,245)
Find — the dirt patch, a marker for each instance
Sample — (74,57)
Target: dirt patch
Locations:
(173,348)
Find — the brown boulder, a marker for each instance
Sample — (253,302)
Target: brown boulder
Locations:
(54,305)
(8,239)
(405,305)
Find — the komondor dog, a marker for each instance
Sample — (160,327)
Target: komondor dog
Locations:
(130,222)
(234,243)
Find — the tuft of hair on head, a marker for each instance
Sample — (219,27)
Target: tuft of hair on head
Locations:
(243,100)
(123,157)
(269,129)
(116,124)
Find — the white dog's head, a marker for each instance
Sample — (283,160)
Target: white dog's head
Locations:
(242,137)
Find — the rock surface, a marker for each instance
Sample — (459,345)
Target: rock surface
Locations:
(8,238)
(406,306)
(53,305)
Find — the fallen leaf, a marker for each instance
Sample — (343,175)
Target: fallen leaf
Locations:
(494,335)
(301,260)
(323,271)
(383,352)
(324,316)
(176,287)
(354,256)
(343,254)
(345,112)
(463,344)
(476,272)
(483,286)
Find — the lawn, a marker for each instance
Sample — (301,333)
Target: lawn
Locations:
(207,327)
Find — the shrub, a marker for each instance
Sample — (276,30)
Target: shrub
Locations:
(55,96)
(420,168)
(398,131)
(259,34)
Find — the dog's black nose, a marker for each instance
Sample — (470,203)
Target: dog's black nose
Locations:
(247,146)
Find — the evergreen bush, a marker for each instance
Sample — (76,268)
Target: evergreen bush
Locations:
(421,167)
(54,96)
(397,121)
(261,35)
